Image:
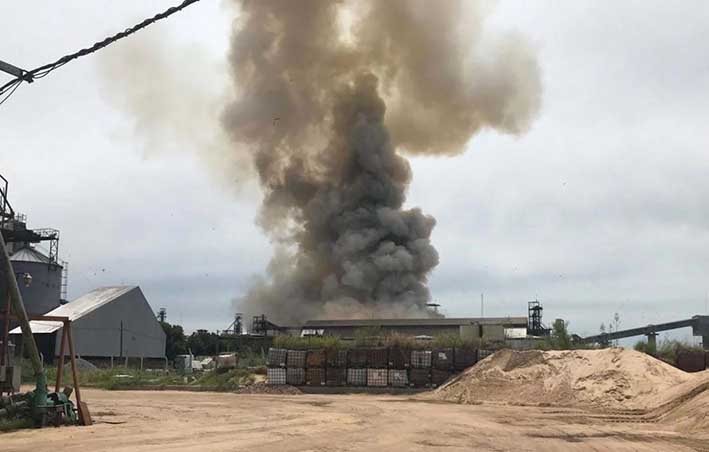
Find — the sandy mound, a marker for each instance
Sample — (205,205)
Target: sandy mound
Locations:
(610,378)
(688,406)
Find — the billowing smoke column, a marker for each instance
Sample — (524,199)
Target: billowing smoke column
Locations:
(327,92)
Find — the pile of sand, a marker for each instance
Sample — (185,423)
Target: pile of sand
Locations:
(687,405)
(610,378)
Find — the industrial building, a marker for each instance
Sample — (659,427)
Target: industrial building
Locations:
(41,276)
(489,328)
(107,323)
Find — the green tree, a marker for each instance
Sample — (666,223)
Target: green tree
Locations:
(560,334)
(202,342)
(175,342)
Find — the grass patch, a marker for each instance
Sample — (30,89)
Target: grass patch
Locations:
(225,381)
(121,378)
(9,425)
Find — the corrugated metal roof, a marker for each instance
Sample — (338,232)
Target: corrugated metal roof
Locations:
(28,254)
(78,308)
(415,322)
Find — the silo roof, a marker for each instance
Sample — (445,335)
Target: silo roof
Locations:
(78,308)
(28,254)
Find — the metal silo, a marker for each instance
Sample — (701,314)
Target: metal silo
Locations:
(43,293)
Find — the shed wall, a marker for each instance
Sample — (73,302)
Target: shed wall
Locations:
(98,334)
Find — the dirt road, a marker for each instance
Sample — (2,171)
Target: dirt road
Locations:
(183,421)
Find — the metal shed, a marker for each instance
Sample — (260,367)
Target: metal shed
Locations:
(106,322)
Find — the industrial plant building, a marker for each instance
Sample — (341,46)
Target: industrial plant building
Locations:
(107,323)
(41,275)
(489,328)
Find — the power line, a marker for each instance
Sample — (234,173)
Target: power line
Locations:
(42,71)
(11,88)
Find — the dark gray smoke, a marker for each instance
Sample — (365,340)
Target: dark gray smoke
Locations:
(328,95)
(313,77)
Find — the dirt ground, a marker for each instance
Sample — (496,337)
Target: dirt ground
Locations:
(134,421)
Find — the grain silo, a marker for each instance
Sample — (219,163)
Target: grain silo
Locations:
(41,275)
(43,292)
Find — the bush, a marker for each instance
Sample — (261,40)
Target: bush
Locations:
(668,349)
(305,343)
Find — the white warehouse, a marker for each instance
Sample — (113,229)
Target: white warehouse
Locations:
(106,323)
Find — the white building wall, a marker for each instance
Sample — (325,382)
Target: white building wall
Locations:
(98,334)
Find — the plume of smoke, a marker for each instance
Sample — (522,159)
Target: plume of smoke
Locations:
(327,96)
(175,98)
(311,111)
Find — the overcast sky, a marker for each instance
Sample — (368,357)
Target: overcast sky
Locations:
(600,208)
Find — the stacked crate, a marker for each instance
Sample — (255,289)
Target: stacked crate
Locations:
(356,376)
(399,364)
(379,367)
(276,372)
(336,373)
(464,358)
(420,373)
(399,358)
(357,367)
(442,363)
(398,378)
(377,363)
(315,372)
(377,377)
(295,367)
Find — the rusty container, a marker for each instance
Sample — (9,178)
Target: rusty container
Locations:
(399,358)
(315,376)
(295,376)
(277,357)
(296,359)
(438,377)
(442,358)
(336,358)
(316,358)
(336,376)
(420,378)
(357,358)
(691,361)
(378,358)
(464,358)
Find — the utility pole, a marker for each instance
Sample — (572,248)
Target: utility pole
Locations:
(121,341)
(16,71)
(482,305)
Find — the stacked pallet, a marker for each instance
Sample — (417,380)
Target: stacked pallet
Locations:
(374,367)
